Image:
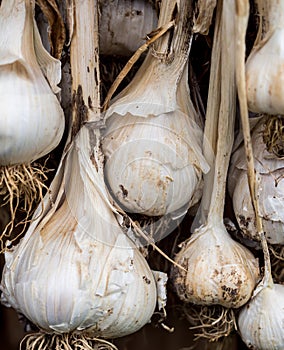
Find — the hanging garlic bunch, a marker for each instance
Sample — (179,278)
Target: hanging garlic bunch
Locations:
(32,121)
(264,66)
(152,141)
(219,270)
(75,272)
(267,141)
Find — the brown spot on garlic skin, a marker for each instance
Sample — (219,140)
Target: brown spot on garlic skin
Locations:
(147,281)
(110,311)
(124,191)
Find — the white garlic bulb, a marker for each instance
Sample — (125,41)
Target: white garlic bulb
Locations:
(270,188)
(152,168)
(219,270)
(261,321)
(32,120)
(264,66)
(75,269)
(153,136)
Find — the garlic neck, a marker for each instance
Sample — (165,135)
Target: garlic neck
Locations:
(172,49)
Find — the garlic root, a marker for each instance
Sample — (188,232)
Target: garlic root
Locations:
(22,187)
(211,322)
(43,341)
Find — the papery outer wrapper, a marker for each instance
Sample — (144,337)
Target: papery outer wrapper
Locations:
(261,321)
(219,269)
(32,118)
(270,184)
(75,269)
(265,74)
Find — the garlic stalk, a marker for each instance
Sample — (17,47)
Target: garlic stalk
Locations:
(267,146)
(262,318)
(264,66)
(152,141)
(75,271)
(32,120)
(219,269)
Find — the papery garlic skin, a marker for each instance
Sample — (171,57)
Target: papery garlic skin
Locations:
(271,199)
(270,186)
(32,120)
(265,66)
(153,164)
(75,269)
(265,76)
(261,321)
(219,269)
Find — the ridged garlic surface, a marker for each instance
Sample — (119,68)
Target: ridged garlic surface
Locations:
(75,269)
(219,269)
(270,189)
(261,321)
(265,66)
(31,118)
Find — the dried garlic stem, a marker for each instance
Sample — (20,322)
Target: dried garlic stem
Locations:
(212,115)
(202,21)
(242,15)
(85,69)
(227,111)
(56,33)
(134,58)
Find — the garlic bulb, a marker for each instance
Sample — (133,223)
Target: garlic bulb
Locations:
(264,66)
(32,121)
(269,175)
(219,270)
(152,141)
(75,270)
(261,322)
(152,169)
